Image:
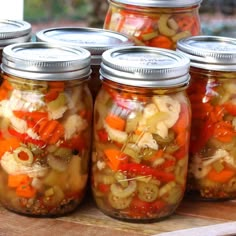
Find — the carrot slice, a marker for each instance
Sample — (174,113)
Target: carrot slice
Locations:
(14,181)
(115,122)
(25,190)
(115,157)
(222,177)
(161,41)
(8,144)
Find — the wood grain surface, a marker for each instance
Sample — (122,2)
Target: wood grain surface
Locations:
(88,220)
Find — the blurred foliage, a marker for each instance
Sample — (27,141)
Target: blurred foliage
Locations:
(39,10)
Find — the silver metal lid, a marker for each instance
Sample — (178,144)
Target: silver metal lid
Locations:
(210,52)
(12,31)
(160,3)
(145,67)
(94,40)
(45,61)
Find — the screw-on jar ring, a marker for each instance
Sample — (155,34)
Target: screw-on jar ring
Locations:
(145,67)
(12,31)
(96,41)
(209,52)
(44,61)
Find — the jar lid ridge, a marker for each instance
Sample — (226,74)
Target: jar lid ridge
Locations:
(45,61)
(209,52)
(145,67)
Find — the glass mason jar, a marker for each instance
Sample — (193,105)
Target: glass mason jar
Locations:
(46,110)
(154,23)
(212,92)
(12,31)
(96,41)
(141,133)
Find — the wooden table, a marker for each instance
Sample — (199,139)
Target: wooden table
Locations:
(191,218)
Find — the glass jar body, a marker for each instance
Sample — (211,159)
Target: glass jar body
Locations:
(212,168)
(153,26)
(45,143)
(140,151)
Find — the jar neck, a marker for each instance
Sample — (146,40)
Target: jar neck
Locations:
(108,84)
(31,84)
(155,9)
(198,73)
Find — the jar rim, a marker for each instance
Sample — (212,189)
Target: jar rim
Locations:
(45,61)
(159,3)
(13,30)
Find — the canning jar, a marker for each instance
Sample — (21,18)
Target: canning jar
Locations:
(13,31)
(212,92)
(154,23)
(46,110)
(141,133)
(96,41)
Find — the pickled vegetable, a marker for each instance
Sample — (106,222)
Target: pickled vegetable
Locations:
(133,150)
(154,26)
(44,145)
(212,146)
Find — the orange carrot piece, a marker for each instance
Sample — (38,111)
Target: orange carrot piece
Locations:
(161,41)
(25,190)
(8,145)
(50,131)
(14,181)
(115,122)
(115,157)
(221,177)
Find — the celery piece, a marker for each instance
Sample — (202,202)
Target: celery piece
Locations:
(149,36)
(218,166)
(58,102)
(132,123)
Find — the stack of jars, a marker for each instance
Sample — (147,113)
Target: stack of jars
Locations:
(125,84)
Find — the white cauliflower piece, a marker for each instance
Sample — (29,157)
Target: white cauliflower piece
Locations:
(219,154)
(148,111)
(101,165)
(56,114)
(32,134)
(147,140)
(197,168)
(169,105)
(74,124)
(26,101)
(162,129)
(18,124)
(74,97)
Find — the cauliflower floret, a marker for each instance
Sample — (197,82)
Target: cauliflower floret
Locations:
(18,124)
(101,165)
(170,106)
(197,168)
(56,113)
(25,101)
(147,140)
(74,124)
(32,134)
